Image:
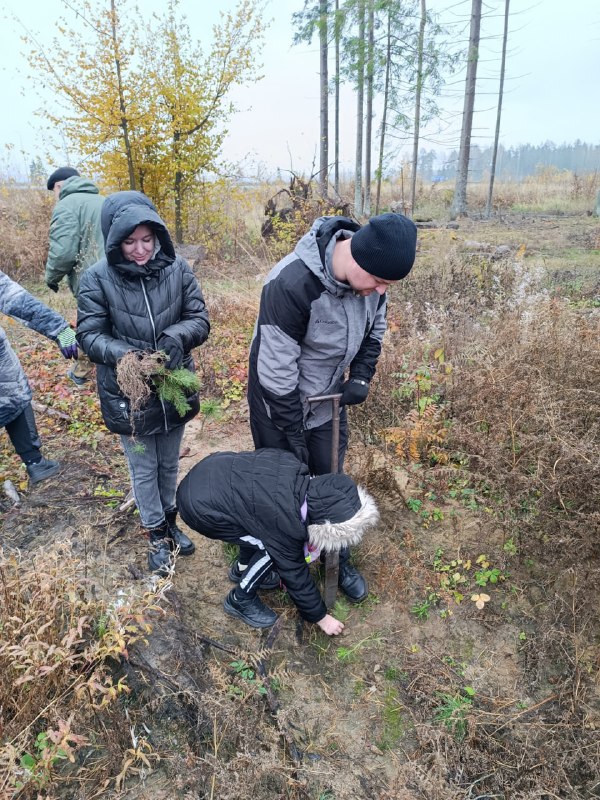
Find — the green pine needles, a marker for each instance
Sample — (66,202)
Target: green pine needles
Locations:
(175,386)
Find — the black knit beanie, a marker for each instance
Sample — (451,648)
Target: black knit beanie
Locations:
(385,247)
(60,174)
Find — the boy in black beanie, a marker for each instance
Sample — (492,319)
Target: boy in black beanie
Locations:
(266,502)
(319,331)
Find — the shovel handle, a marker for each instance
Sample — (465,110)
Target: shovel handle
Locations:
(332,560)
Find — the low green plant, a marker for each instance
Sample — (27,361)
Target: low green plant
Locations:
(421,610)
(341,609)
(393,722)
(231,551)
(347,654)
(454,710)
(113,495)
(243,670)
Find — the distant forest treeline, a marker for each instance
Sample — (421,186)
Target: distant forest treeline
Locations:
(513,162)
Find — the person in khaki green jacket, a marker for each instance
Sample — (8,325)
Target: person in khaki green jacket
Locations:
(76,241)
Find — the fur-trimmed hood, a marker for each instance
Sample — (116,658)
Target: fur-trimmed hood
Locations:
(339,512)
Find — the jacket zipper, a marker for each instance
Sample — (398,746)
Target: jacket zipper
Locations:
(155,346)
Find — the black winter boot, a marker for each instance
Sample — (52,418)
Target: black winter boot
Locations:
(250,610)
(159,554)
(177,536)
(352,583)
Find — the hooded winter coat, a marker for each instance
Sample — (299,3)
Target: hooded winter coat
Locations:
(75,234)
(310,330)
(123,307)
(15,301)
(259,496)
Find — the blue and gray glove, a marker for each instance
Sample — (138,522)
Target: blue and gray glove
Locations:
(174,350)
(354,391)
(67,342)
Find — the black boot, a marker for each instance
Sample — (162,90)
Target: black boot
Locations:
(352,583)
(250,610)
(159,553)
(270,581)
(177,536)
(45,468)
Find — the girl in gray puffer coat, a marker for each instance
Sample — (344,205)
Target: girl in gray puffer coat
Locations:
(16,414)
(143,297)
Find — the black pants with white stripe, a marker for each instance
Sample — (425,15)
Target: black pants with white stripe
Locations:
(259,563)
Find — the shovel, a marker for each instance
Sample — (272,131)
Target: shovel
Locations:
(332,560)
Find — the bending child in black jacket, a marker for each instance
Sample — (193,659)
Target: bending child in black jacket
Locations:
(266,502)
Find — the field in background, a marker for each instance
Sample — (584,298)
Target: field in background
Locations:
(229,220)
(473,670)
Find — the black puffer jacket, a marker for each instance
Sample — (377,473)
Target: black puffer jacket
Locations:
(123,307)
(229,495)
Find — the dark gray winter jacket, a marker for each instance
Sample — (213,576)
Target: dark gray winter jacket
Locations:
(15,301)
(311,330)
(124,307)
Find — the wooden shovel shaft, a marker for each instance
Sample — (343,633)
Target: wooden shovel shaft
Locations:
(332,560)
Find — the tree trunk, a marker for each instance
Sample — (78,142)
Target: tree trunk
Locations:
(324,93)
(488,207)
(386,94)
(360,88)
(122,107)
(178,190)
(419,90)
(336,166)
(459,205)
(369,121)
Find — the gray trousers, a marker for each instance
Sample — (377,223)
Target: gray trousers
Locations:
(153,462)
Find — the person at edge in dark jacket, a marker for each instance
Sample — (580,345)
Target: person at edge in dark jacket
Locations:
(16,413)
(143,297)
(266,502)
(319,331)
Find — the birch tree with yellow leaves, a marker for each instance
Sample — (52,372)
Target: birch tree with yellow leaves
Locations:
(139,101)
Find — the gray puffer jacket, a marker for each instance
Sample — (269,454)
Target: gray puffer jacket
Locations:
(15,301)
(311,330)
(123,306)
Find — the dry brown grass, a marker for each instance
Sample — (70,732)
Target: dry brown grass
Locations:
(63,636)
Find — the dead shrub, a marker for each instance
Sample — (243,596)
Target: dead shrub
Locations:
(24,225)
(63,636)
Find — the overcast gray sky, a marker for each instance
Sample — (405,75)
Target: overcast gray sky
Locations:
(552,87)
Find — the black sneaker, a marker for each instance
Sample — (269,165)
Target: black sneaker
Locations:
(270,581)
(42,469)
(352,583)
(250,610)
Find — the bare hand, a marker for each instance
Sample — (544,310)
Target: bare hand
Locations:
(330,625)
